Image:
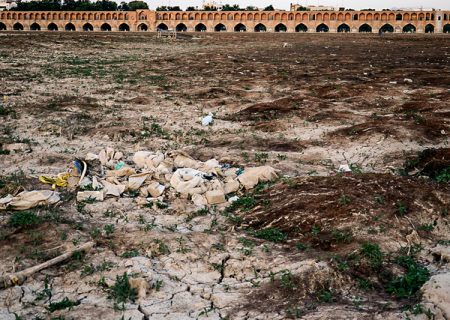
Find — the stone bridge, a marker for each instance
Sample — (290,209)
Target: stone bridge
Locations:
(229,21)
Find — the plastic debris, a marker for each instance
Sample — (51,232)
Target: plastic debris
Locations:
(252,176)
(208,120)
(159,180)
(344,168)
(59,180)
(29,199)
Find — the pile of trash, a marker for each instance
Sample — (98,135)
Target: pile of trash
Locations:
(155,178)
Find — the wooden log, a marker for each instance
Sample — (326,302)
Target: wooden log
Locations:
(17,278)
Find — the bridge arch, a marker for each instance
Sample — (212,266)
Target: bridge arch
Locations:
(280,28)
(260,28)
(105,27)
(88,27)
(17,26)
(162,27)
(181,27)
(220,28)
(52,27)
(409,28)
(343,28)
(2,26)
(124,27)
(446,28)
(35,27)
(322,28)
(200,27)
(142,27)
(301,28)
(429,28)
(240,28)
(387,28)
(69,27)
(365,28)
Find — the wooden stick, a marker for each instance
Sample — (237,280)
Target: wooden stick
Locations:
(16,278)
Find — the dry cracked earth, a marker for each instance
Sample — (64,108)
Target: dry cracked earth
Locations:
(371,243)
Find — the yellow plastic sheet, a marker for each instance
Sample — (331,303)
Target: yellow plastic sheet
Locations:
(56,181)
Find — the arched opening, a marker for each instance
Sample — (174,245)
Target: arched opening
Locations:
(52,27)
(343,28)
(240,28)
(409,28)
(387,28)
(142,27)
(429,28)
(88,27)
(365,28)
(181,27)
(301,28)
(17,26)
(200,27)
(69,27)
(35,27)
(446,28)
(124,27)
(322,28)
(260,28)
(105,27)
(280,28)
(399,17)
(220,28)
(2,26)
(162,27)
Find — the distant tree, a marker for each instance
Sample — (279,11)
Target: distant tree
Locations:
(124,6)
(137,5)
(269,8)
(162,8)
(251,8)
(190,9)
(210,8)
(234,7)
(301,8)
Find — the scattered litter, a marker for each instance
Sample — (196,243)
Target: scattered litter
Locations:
(159,179)
(406,80)
(208,120)
(344,168)
(61,180)
(233,199)
(29,199)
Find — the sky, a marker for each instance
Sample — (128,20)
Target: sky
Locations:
(284,4)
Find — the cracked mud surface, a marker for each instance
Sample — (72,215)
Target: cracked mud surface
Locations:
(305,109)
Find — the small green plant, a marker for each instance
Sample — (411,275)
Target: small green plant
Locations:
(301,246)
(345,200)
(372,252)
(199,213)
(162,246)
(426,227)
(401,208)
(24,219)
(364,284)
(63,304)
(287,279)
(342,236)
(325,296)
(443,176)
(109,229)
(157,285)
(271,234)
(244,203)
(407,285)
(130,254)
(121,291)
(261,157)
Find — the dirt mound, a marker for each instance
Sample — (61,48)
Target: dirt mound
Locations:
(430,162)
(267,110)
(258,143)
(328,212)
